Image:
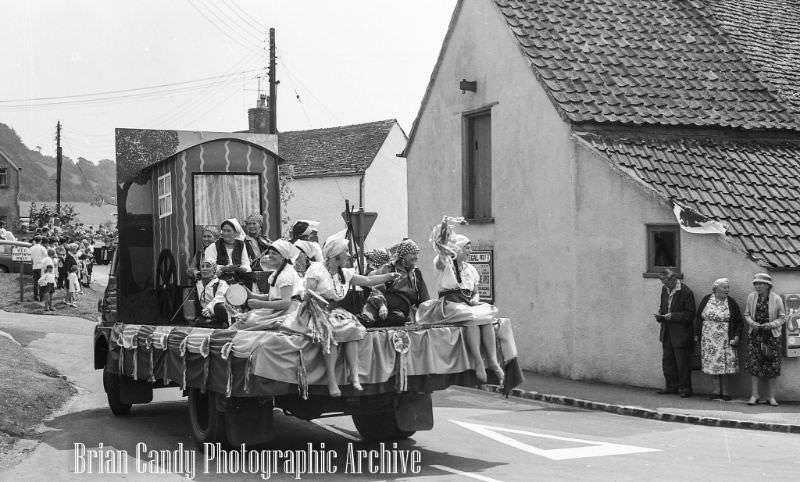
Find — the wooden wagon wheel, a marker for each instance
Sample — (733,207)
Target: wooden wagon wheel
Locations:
(166,284)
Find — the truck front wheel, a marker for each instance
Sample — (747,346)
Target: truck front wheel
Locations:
(111,384)
(208,423)
(379,426)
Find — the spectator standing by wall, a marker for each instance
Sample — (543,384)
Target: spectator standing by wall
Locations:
(676,316)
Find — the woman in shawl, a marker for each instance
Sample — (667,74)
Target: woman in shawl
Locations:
(407,292)
(228,252)
(331,280)
(459,303)
(285,291)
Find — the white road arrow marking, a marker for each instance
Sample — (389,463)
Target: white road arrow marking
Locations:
(465,474)
(590,449)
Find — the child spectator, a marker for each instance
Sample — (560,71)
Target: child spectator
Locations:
(47,284)
(73,286)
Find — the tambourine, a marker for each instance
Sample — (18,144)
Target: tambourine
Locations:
(236,295)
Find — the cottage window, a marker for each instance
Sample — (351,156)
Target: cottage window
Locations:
(3,177)
(663,248)
(477,178)
(164,195)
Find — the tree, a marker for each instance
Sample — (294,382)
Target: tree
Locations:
(46,215)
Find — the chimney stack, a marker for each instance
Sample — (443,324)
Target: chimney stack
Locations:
(258,117)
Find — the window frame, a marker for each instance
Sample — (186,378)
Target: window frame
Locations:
(165,195)
(468,202)
(3,177)
(653,271)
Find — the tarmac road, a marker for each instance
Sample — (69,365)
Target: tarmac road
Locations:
(477,436)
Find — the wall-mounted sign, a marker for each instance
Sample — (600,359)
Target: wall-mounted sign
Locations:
(483,260)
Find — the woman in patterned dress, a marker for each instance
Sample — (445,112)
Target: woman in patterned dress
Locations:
(718,328)
(331,280)
(764,314)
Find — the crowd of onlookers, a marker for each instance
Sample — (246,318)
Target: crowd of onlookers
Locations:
(61,263)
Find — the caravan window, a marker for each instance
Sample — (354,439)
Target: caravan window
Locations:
(164,195)
(218,197)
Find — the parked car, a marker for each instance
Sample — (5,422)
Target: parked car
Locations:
(8,266)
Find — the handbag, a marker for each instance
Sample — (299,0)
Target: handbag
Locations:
(768,352)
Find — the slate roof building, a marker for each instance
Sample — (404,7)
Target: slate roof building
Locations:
(570,131)
(358,163)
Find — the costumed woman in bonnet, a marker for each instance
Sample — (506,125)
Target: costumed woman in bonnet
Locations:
(459,302)
(255,242)
(330,280)
(229,252)
(409,290)
(307,252)
(285,290)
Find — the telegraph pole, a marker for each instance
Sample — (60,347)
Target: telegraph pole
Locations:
(58,169)
(273,83)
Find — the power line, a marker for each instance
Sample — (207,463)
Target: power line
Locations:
(245,17)
(224,32)
(201,98)
(118,98)
(36,99)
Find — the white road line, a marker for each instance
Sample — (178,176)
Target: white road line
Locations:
(465,474)
(590,448)
(336,431)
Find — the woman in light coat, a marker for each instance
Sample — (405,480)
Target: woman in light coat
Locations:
(764,314)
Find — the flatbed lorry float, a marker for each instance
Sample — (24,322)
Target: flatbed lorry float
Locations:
(146,339)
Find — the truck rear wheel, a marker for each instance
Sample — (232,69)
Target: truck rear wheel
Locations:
(208,423)
(379,426)
(111,384)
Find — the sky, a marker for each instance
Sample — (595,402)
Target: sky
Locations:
(96,65)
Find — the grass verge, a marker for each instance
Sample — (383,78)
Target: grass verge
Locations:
(29,391)
(9,299)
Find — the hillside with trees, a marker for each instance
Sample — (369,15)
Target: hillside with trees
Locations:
(81,180)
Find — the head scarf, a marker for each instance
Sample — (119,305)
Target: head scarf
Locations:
(378,257)
(213,230)
(460,241)
(335,244)
(236,227)
(303,227)
(255,218)
(284,248)
(210,262)
(406,247)
(310,249)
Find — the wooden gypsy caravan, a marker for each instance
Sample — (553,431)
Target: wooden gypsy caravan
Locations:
(170,185)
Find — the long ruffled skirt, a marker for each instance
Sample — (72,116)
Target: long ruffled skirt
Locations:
(265,318)
(444,310)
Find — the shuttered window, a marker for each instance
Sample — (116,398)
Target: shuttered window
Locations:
(477,179)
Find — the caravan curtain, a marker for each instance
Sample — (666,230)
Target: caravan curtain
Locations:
(218,197)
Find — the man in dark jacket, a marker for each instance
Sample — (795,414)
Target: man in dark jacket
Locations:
(676,314)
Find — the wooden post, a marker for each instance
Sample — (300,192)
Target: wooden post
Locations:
(21,282)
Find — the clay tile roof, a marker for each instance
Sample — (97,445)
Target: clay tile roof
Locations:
(335,151)
(768,32)
(656,62)
(750,186)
